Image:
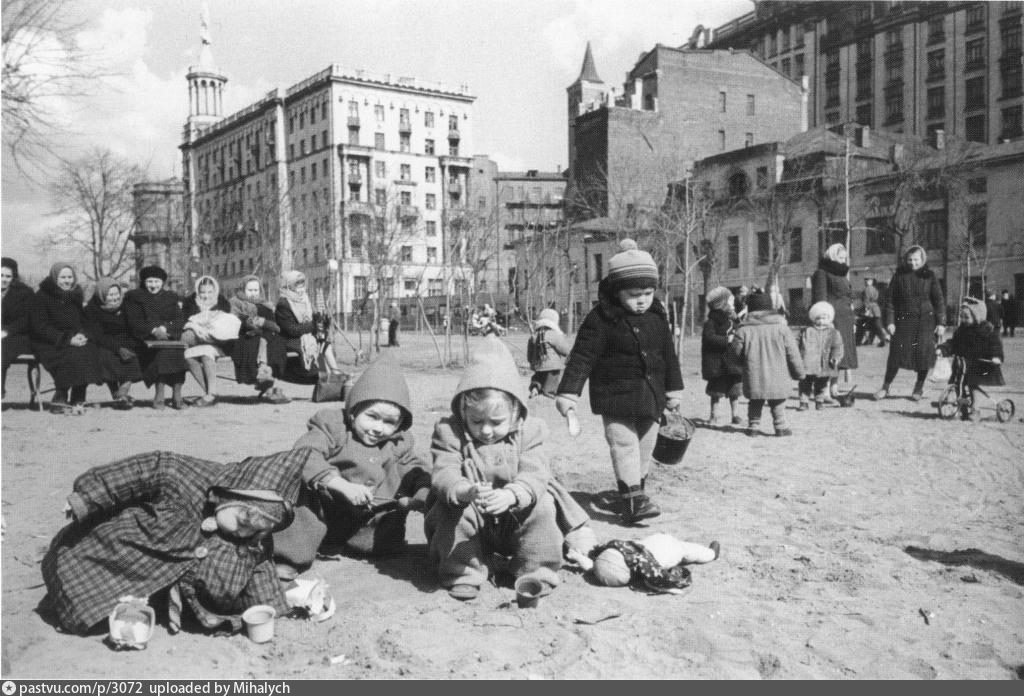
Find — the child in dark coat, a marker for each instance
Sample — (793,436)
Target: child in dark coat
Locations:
(365,477)
(978,343)
(625,349)
(719,365)
(546,350)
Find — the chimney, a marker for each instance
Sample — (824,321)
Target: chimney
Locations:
(940,139)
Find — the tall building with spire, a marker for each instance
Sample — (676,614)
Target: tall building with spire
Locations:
(585,94)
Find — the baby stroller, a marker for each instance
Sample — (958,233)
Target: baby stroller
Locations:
(956,397)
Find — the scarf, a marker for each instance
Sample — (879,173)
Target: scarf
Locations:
(207,305)
(103,286)
(299,301)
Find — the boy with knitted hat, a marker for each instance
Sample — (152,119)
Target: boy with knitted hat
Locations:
(494,489)
(821,348)
(625,348)
(365,478)
(718,364)
(978,343)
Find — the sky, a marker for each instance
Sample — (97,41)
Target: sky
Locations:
(517,56)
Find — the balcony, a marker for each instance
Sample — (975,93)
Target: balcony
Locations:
(454,161)
(404,125)
(407,212)
(453,134)
(361,151)
(354,179)
(894,55)
(454,187)
(351,208)
(353,121)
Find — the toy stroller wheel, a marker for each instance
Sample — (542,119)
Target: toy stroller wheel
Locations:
(949,403)
(1005,410)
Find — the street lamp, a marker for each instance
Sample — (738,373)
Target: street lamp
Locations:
(332,267)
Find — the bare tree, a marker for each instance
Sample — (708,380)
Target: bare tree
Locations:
(94,196)
(470,246)
(43,65)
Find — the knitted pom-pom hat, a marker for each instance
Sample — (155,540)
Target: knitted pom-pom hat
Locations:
(719,298)
(631,268)
(821,309)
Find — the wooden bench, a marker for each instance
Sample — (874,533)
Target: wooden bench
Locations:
(35,378)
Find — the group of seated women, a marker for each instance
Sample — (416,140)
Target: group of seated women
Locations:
(150,334)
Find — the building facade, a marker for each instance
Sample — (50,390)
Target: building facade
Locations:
(914,67)
(367,170)
(159,232)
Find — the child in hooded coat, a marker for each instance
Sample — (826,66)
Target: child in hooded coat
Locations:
(162,520)
(821,348)
(364,479)
(546,350)
(979,344)
(493,486)
(718,364)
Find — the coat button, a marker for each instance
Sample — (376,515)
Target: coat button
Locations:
(202,552)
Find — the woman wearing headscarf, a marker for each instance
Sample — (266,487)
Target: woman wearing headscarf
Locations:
(154,314)
(210,331)
(119,349)
(913,310)
(294,315)
(62,338)
(831,283)
(15,314)
(259,353)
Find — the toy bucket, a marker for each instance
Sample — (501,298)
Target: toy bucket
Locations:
(673,439)
(259,622)
(131,623)
(528,592)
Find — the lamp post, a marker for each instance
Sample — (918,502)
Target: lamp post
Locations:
(332,267)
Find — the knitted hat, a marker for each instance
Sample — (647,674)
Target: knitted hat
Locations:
(8,262)
(631,268)
(719,298)
(152,272)
(821,309)
(381,381)
(492,366)
(548,318)
(759,302)
(977,309)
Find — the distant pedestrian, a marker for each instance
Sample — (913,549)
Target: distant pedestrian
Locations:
(394,317)
(1010,313)
(994,310)
(871,315)
(718,364)
(546,350)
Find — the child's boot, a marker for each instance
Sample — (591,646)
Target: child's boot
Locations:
(753,428)
(803,403)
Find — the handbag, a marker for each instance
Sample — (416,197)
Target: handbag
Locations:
(943,370)
(330,386)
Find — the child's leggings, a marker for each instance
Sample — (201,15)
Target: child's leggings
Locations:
(631,442)
(813,385)
(778,407)
(462,539)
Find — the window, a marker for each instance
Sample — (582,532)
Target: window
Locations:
(291,151)
(865,114)
(787,66)
(974,54)
(936,65)
(894,73)
(410,286)
(763,248)
(721,102)
(430,175)
(598,267)
(798,66)
(312,172)
(428,146)
(353,109)
(405,172)
(302,176)
(738,185)
(453,148)
(721,140)
(291,125)
(748,139)
(353,168)
(974,128)
(785,38)
(453,123)
(404,142)
(428,119)
(1010,64)
(406,254)
(359,286)
(796,244)
(733,251)
(353,135)
(894,104)
(974,93)
(832,93)
(380,169)
(977,185)
(975,18)
(378,141)
(936,102)
(750,105)
(762,177)
(431,202)
(431,228)
(931,224)
(312,142)
(431,254)
(405,198)
(378,111)
(879,239)
(936,31)
(380,196)
(977,216)
(1012,122)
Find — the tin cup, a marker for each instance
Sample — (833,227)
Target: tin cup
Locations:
(259,622)
(528,592)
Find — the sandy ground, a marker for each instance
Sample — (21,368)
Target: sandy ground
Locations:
(836,545)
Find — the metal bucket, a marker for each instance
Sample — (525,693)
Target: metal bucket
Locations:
(673,439)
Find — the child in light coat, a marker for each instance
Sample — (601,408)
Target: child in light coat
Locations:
(546,350)
(821,348)
(771,361)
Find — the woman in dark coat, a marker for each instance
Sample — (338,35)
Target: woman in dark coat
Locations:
(259,353)
(16,315)
(62,338)
(913,310)
(119,350)
(294,316)
(830,283)
(154,314)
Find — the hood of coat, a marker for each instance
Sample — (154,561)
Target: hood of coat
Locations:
(492,366)
(75,294)
(763,317)
(381,381)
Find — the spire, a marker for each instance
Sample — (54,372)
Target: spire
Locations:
(588,73)
(206,61)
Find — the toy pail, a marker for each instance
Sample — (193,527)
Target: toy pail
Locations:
(673,439)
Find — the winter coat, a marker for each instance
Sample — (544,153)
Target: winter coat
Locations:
(915,306)
(819,347)
(830,284)
(977,343)
(138,531)
(995,313)
(869,297)
(769,354)
(112,334)
(716,360)
(16,315)
(245,353)
(630,360)
(145,312)
(1009,312)
(57,315)
(546,350)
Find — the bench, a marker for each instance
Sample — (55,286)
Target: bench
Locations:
(35,378)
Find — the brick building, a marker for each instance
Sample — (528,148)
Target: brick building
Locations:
(914,67)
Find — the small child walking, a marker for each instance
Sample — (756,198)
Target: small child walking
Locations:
(546,350)
(364,478)
(766,348)
(493,486)
(821,348)
(719,365)
(976,341)
(624,347)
